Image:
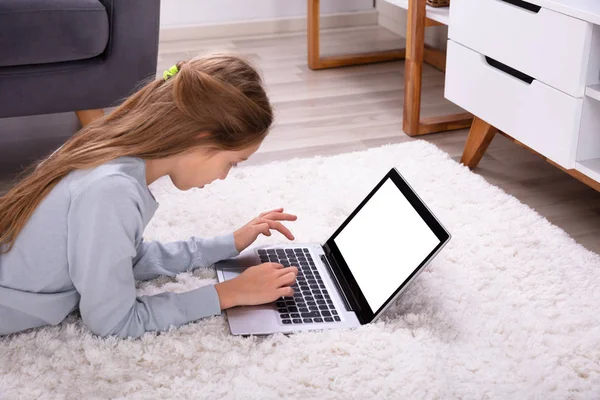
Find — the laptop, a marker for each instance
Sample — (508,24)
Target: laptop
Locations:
(355,276)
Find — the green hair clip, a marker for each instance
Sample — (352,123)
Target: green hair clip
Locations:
(170,72)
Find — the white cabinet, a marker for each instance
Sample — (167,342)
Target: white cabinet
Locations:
(531,69)
(547,45)
(534,113)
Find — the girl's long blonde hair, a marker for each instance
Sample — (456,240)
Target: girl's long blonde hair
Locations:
(218,94)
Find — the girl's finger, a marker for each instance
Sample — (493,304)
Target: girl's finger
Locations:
(278,226)
(277,216)
(268,212)
(286,280)
(263,228)
(285,292)
(286,270)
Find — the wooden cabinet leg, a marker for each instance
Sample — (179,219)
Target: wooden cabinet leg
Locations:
(88,116)
(480,137)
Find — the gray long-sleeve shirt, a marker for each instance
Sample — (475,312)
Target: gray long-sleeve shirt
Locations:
(83,248)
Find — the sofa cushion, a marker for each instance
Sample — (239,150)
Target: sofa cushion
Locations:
(50,31)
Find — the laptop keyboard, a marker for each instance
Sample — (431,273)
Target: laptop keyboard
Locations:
(311,302)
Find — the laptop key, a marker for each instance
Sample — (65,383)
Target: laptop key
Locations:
(282,310)
(297,321)
(326,313)
(292,309)
(302,309)
(323,307)
(295,315)
(320,301)
(307,320)
(328,319)
(284,316)
(334,312)
(337,318)
(318,320)
(286,321)
(312,314)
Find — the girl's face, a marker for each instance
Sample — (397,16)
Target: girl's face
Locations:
(201,166)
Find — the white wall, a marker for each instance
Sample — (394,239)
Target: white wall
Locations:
(176,13)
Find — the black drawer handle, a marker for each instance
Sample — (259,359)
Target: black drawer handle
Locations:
(511,71)
(524,4)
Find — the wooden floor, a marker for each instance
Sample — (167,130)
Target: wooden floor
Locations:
(335,111)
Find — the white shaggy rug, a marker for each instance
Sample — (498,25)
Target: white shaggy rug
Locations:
(508,310)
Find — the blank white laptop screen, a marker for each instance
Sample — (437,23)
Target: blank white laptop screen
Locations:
(384,243)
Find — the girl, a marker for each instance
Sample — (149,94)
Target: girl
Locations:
(71,231)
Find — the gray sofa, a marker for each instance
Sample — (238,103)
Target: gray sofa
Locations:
(68,55)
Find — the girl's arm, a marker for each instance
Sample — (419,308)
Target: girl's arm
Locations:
(155,259)
(103,222)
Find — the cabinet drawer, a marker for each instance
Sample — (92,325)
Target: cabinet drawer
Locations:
(539,116)
(551,47)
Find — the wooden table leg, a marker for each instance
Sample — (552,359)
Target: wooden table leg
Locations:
(413,68)
(416,54)
(315,61)
(88,116)
(480,137)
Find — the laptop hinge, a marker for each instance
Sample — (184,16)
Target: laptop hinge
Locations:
(330,263)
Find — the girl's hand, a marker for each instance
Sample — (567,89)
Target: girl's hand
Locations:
(260,284)
(266,221)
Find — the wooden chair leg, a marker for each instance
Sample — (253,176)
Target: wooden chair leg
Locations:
(88,116)
(480,137)
(413,69)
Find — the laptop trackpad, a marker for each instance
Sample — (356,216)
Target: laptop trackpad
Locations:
(231,273)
